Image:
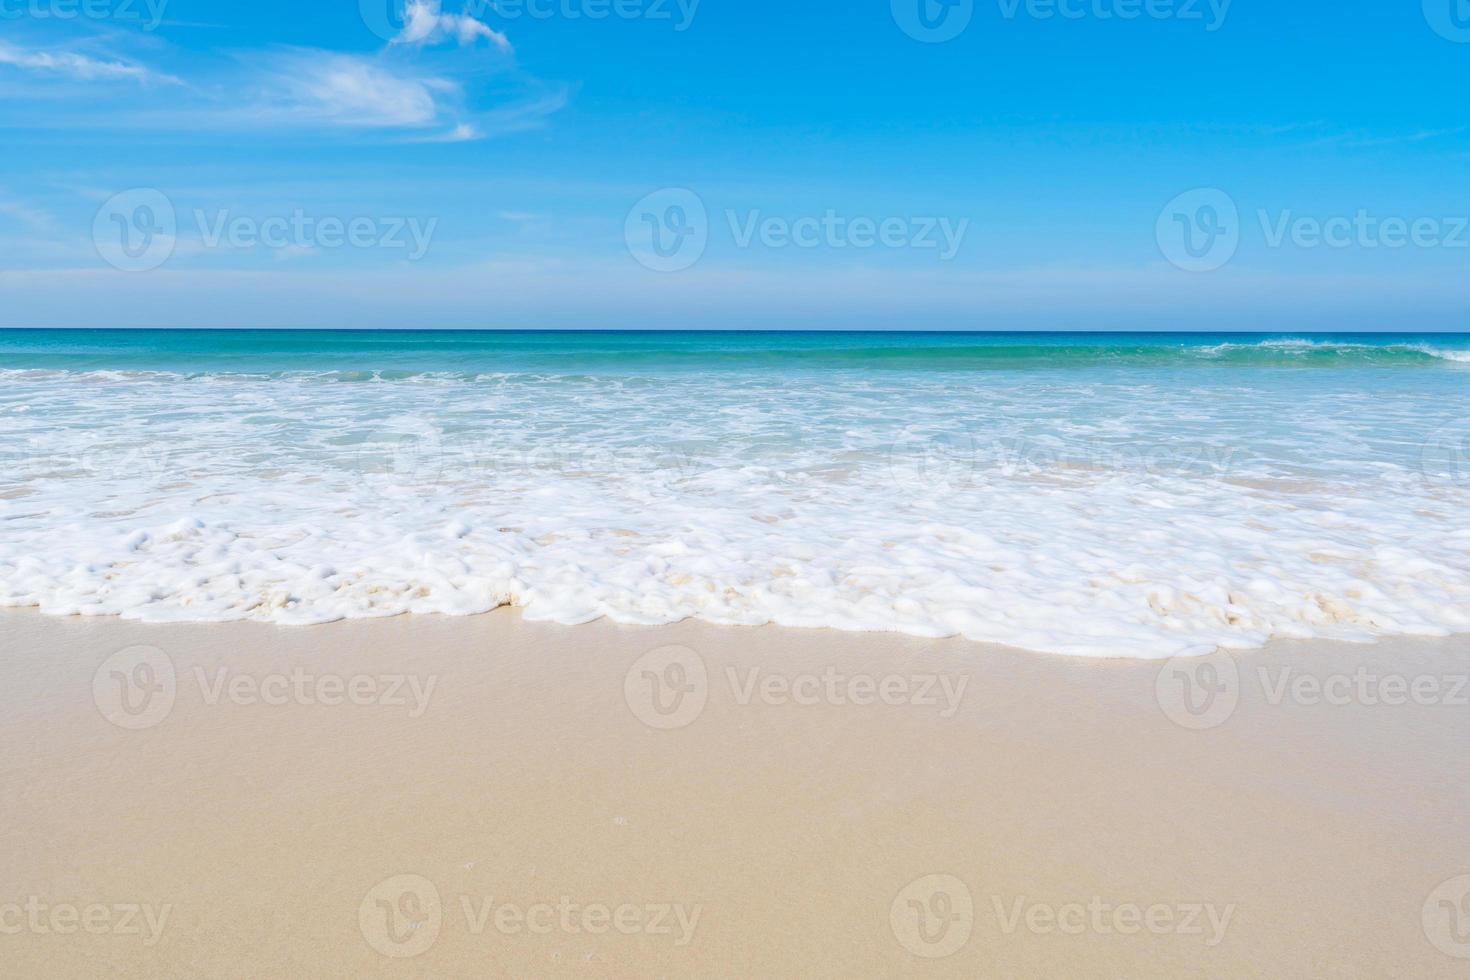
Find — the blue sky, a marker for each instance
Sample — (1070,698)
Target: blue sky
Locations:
(814,165)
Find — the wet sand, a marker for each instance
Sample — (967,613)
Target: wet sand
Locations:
(488,797)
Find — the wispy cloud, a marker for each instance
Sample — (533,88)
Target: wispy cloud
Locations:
(78,66)
(461,133)
(32,217)
(417,94)
(1360,140)
(424,23)
(1421,136)
(1291,127)
(311,86)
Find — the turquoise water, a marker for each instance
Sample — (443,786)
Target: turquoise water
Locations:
(581,351)
(1139,495)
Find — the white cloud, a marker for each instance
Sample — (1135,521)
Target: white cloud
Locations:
(78,66)
(428,96)
(461,133)
(33,218)
(424,23)
(349,90)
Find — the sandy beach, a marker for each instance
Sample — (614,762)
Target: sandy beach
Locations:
(485,796)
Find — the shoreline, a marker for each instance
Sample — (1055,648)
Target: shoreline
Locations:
(787,802)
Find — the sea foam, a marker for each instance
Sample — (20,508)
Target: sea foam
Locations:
(1115,511)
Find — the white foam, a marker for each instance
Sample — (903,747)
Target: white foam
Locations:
(1079,514)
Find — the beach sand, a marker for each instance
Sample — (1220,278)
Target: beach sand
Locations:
(537,813)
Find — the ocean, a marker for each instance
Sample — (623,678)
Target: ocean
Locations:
(1126,495)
